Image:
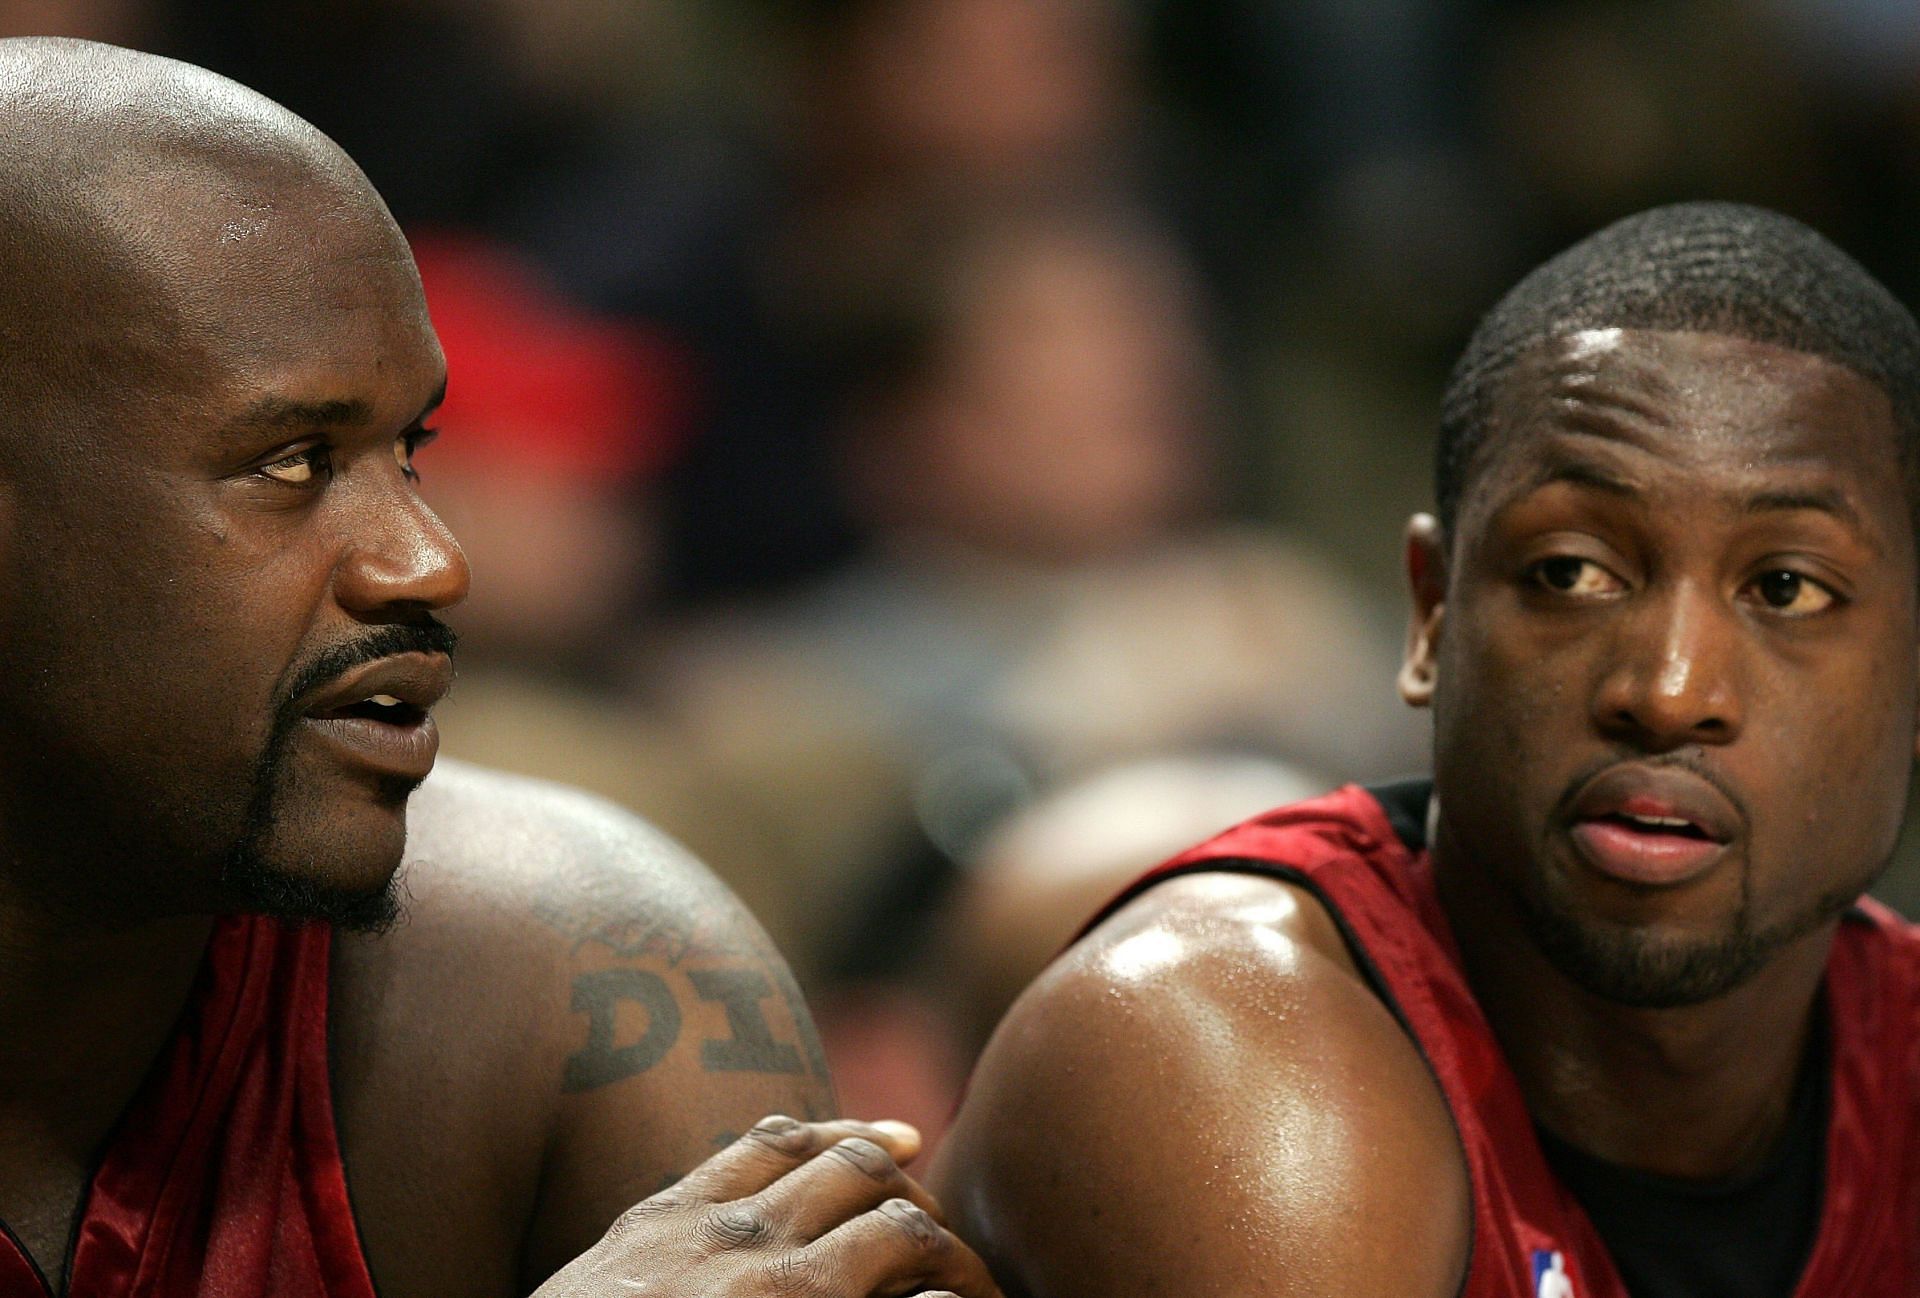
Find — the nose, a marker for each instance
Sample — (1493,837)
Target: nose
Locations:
(399,556)
(1672,673)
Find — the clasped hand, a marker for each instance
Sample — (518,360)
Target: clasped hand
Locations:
(790,1210)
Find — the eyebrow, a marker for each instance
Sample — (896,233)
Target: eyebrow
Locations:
(1585,474)
(279,414)
(282,414)
(1823,500)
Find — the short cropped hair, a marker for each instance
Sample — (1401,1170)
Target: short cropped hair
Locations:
(1698,267)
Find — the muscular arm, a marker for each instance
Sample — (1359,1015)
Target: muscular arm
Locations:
(1204,1097)
(573,1015)
(683,1028)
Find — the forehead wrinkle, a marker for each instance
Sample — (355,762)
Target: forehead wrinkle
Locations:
(1607,385)
(1741,496)
(1580,473)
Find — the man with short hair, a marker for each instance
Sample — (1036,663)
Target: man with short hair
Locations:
(1599,1010)
(219,591)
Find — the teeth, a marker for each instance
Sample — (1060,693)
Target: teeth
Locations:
(1664,822)
(385,700)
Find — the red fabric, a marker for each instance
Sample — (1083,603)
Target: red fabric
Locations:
(224,1179)
(536,384)
(1343,848)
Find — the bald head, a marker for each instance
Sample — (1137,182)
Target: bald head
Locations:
(135,195)
(215,363)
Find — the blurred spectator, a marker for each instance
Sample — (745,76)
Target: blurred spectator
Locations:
(558,425)
(890,109)
(973,96)
(1049,589)
(1039,391)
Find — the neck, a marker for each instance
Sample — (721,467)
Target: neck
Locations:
(85,1008)
(1698,1091)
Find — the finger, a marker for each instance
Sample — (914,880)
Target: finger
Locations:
(775,1146)
(852,1177)
(898,1248)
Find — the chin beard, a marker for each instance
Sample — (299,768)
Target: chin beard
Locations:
(1630,966)
(252,884)
(253,881)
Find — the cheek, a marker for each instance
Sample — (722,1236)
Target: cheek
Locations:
(154,655)
(1508,731)
(1839,753)
(1507,696)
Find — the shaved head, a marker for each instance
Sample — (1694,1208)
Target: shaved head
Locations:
(117,170)
(1711,267)
(215,361)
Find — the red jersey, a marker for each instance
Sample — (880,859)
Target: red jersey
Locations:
(1531,1239)
(223,1178)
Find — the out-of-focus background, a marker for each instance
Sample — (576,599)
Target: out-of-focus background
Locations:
(936,456)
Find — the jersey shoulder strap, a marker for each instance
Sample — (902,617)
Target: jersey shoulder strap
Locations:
(225,1175)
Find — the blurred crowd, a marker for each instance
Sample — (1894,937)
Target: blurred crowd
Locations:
(936,456)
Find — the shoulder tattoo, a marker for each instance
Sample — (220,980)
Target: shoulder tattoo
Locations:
(655,960)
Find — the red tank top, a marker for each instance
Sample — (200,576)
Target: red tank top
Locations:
(1530,1237)
(224,1176)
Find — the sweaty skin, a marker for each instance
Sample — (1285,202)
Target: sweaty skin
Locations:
(1683,557)
(215,367)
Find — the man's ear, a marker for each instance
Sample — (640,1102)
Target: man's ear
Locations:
(1427,582)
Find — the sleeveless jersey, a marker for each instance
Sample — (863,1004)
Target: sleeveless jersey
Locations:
(223,1177)
(1531,1239)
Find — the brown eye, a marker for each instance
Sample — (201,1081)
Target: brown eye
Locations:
(1570,575)
(1561,574)
(298,469)
(1786,591)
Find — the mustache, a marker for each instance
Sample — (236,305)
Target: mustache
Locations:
(428,635)
(1681,759)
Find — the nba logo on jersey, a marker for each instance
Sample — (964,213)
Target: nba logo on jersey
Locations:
(1550,1275)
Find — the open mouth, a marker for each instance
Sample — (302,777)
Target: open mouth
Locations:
(379,707)
(1675,825)
(1646,849)
(378,717)
(1653,825)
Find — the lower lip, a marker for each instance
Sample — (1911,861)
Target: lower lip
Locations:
(402,751)
(1634,856)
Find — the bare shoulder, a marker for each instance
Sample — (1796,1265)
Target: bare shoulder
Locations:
(1204,1096)
(573,1012)
(486,843)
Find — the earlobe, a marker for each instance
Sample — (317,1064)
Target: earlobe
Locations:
(1426,559)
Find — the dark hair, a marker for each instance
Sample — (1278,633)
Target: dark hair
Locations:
(1704,267)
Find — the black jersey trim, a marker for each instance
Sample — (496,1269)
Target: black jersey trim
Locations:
(33,1264)
(1405,802)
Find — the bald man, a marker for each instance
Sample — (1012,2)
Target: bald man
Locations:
(224,1068)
